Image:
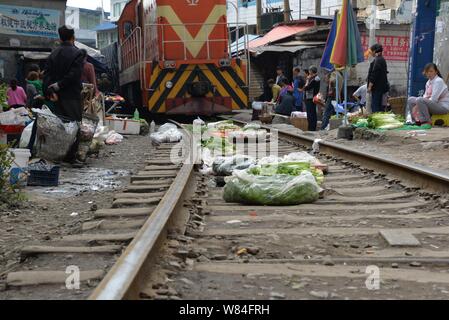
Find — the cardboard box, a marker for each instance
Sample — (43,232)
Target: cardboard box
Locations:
(123,126)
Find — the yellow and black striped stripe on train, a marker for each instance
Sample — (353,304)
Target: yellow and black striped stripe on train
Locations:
(229,82)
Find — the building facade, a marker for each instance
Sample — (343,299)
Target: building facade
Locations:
(441,38)
(106,34)
(84,22)
(300,9)
(117,7)
(27,26)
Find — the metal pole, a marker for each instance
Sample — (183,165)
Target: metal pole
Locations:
(318,7)
(236,7)
(259,16)
(372,41)
(345,121)
(372,30)
(286,10)
(300,9)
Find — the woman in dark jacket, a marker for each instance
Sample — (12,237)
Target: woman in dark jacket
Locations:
(311,89)
(377,78)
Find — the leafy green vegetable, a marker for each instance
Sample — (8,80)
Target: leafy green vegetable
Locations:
(287,168)
(220,146)
(384,120)
(3,98)
(279,189)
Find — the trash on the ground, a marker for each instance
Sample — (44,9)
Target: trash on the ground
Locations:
(233,221)
(278,189)
(113,138)
(166,133)
(242,251)
(316,145)
(224,166)
(54,137)
(74,214)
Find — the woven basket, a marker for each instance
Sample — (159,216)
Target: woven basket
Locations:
(300,123)
(266,118)
(398,105)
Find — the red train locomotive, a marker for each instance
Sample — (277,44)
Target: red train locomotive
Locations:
(176,57)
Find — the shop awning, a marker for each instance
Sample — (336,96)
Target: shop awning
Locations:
(291,46)
(280,32)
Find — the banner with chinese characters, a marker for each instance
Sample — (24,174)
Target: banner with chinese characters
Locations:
(395,48)
(28,21)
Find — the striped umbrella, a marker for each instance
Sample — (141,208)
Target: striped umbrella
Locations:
(347,50)
(325,60)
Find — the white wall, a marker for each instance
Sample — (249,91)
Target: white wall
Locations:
(248,15)
(72,17)
(328,7)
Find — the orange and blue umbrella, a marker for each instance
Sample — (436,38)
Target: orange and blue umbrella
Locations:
(347,50)
(325,60)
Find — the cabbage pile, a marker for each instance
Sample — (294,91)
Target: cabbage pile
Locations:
(276,190)
(385,120)
(288,168)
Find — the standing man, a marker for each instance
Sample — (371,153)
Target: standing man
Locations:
(279,75)
(62,83)
(377,78)
(298,88)
(62,79)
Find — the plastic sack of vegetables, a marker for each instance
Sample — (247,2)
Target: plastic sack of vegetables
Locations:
(224,166)
(289,168)
(278,190)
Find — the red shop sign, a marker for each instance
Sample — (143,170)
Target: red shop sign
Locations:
(395,48)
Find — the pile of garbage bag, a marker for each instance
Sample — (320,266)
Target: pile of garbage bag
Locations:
(277,190)
(54,138)
(166,133)
(224,166)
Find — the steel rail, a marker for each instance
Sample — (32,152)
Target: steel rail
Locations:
(414,174)
(125,278)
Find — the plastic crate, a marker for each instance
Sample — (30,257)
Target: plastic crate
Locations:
(44,178)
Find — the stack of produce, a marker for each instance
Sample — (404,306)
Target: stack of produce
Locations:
(380,120)
(278,189)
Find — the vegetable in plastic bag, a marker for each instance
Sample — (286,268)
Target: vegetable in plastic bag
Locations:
(278,189)
(224,166)
(288,168)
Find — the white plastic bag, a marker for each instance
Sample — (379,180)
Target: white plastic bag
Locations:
(26,136)
(165,127)
(114,138)
(257,105)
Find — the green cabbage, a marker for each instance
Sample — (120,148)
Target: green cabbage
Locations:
(279,189)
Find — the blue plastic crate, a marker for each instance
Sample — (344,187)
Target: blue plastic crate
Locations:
(44,178)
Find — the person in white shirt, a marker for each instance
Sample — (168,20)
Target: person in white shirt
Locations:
(360,94)
(435,99)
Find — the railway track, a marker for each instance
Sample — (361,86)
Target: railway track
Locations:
(170,235)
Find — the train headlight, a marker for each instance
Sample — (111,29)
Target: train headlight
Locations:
(170,64)
(169,84)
